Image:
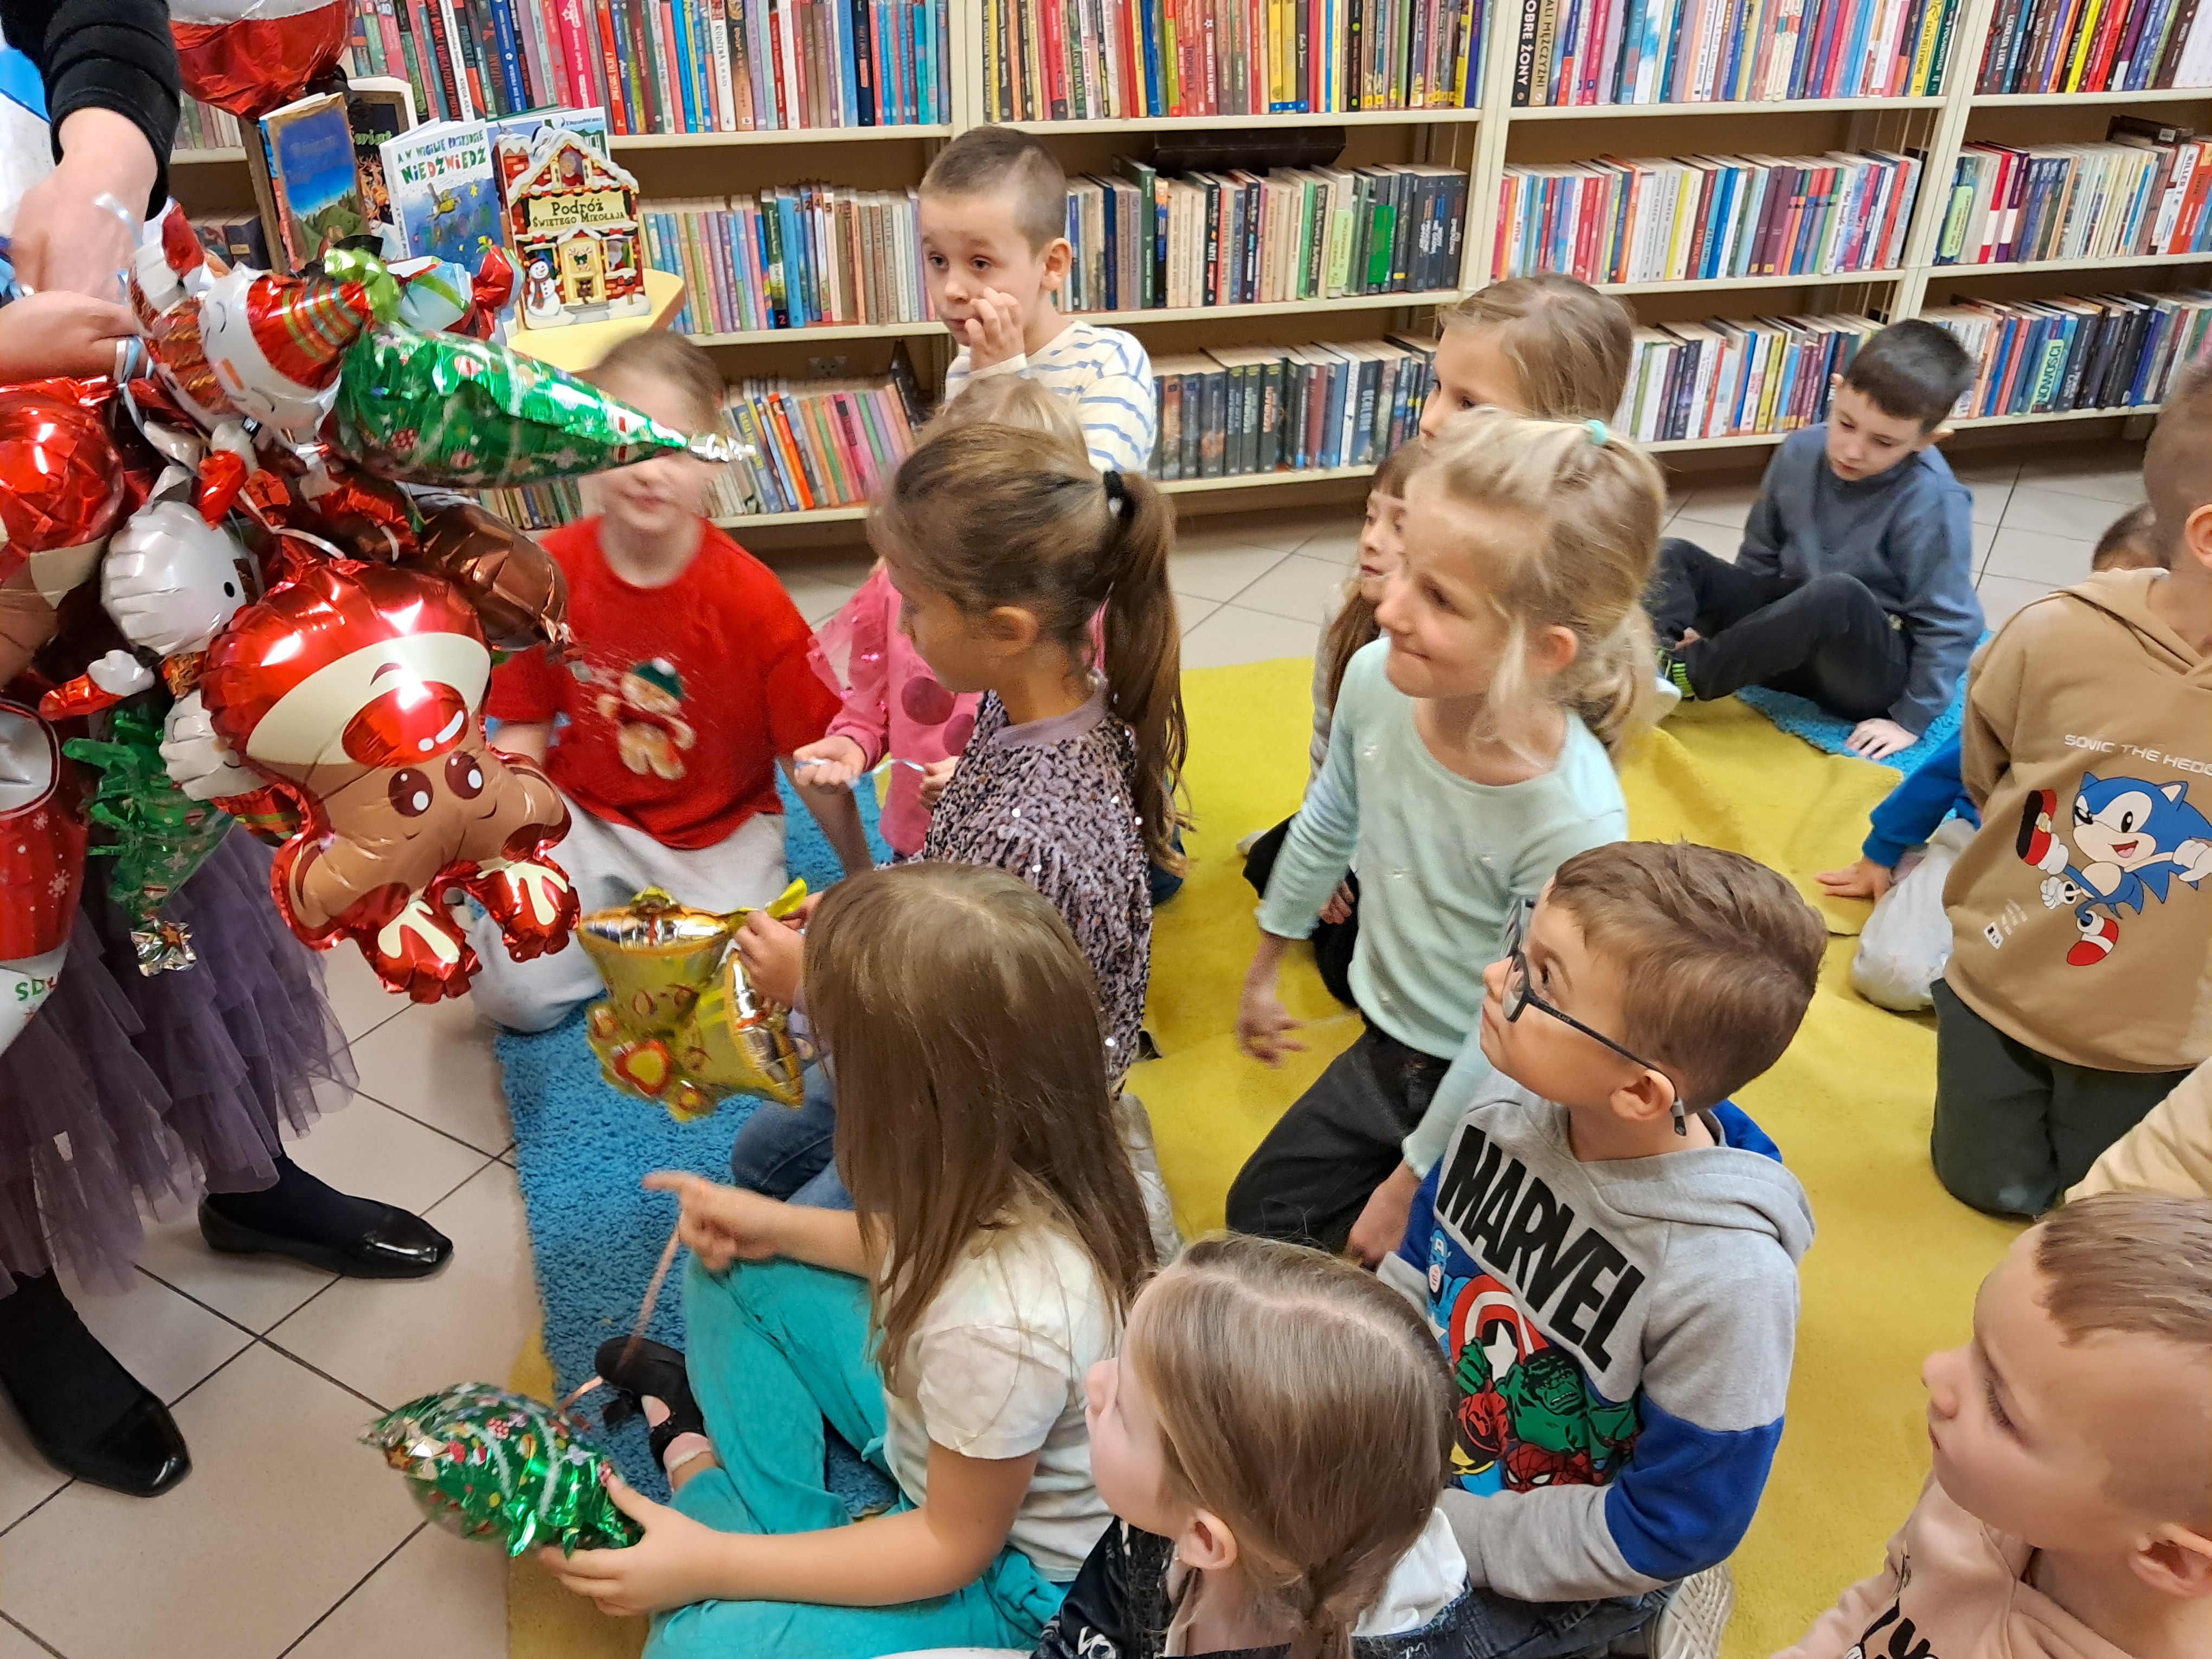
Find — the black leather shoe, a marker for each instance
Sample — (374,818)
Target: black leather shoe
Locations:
(397,1244)
(648,1368)
(141,1455)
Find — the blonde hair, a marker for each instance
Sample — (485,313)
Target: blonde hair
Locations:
(1569,345)
(672,358)
(991,515)
(2138,1264)
(1008,400)
(1354,625)
(1306,1404)
(972,1093)
(1597,504)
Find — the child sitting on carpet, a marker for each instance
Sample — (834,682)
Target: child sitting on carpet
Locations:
(1548,346)
(997,1244)
(1855,584)
(1906,941)
(1003,545)
(894,708)
(696,673)
(2075,994)
(1272,1437)
(2069,1514)
(1470,753)
(1607,1249)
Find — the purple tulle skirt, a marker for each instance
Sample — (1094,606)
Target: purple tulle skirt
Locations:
(129,1093)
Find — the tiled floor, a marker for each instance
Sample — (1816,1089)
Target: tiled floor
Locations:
(289,1537)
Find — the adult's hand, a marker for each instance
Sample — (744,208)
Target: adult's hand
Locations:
(66,236)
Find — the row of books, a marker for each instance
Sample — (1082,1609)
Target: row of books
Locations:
(2077,201)
(1232,411)
(1143,239)
(1059,60)
(667,66)
(1706,216)
(202,126)
(1721,378)
(237,238)
(2089,351)
(1674,51)
(791,256)
(2097,45)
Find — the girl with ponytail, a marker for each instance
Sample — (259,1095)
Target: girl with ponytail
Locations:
(1004,543)
(1471,753)
(1272,1438)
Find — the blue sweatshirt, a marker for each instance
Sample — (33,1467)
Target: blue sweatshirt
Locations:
(1620,1334)
(1908,814)
(1906,533)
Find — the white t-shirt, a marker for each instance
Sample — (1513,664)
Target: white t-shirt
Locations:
(995,1369)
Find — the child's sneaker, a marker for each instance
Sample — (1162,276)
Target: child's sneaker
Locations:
(1690,1625)
(1674,676)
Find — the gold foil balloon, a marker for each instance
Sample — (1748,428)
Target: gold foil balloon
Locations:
(681,1023)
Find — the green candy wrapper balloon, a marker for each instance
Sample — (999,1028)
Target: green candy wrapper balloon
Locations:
(486,1464)
(444,408)
(157,834)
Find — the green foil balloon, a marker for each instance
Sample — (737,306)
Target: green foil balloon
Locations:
(486,1464)
(445,408)
(156,834)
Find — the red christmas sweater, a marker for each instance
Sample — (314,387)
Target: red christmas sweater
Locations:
(682,697)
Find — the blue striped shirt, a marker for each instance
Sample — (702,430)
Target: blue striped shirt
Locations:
(1108,375)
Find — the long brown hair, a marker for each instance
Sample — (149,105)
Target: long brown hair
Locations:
(963,1023)
(1569,345)
(1306,1404)
(991,515)
(1354,626)
(1597,503)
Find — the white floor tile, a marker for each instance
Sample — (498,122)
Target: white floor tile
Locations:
(2052,560)
(2051,511)
(1726,505)
(435,1063)
(2003,595)
(283,1514)
(167,1341)
(15,1644)
(256,1290)
(1218,568)
(1191,612)
(1990,500)
(1288,529)
(394,1339)
(818,600)
(1986,535)
(2104,472)
(1980,467)
(439,1595)
(1337,542)
(1233,634)
(1300,588)
(360,997)
(27,1479)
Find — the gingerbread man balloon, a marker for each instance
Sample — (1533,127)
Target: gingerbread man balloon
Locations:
(359,690)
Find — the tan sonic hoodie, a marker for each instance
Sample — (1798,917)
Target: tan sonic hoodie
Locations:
(2081,913)
(1950,1589)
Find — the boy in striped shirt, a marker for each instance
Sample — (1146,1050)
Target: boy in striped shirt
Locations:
(995,250)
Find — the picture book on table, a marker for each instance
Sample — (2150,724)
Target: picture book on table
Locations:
(311,174)
(445,191)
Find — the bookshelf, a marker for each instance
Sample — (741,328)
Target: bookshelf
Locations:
(1482,140)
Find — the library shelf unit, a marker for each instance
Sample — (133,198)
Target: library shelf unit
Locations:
(1481,140)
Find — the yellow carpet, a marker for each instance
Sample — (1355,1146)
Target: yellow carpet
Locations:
(1891,1275)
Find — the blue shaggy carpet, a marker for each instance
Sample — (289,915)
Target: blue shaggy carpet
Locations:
(582,1148)
(1800,717)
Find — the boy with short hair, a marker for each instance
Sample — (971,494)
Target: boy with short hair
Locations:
(2076,995)
(1607,1248)
(1855,585)
(995,250)
(2069,1514)
(694,675)
(2129,542)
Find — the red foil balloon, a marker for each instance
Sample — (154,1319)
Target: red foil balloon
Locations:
(61,481)
(42,842)
(360,689)
(251,57)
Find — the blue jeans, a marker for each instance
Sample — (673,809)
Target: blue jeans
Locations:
(1499,1627)
(789,1152)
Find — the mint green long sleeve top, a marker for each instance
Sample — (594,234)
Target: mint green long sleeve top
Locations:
(1441,859)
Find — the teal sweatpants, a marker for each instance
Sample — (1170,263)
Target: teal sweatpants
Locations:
(775,1349)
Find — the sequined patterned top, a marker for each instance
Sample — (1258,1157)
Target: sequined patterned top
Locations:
(1051,801)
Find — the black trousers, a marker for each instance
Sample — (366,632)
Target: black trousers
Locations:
(1828,639)
(1332,941)
(1319,1165)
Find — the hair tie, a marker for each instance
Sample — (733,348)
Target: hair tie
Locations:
(1599,433)
(1117,492)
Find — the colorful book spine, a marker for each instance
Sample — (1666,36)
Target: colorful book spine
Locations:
(789,257)
(2096,45)
(2076,351)
(1235,411)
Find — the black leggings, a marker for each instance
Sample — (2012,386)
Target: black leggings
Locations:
(1828,639)
(1332,941)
